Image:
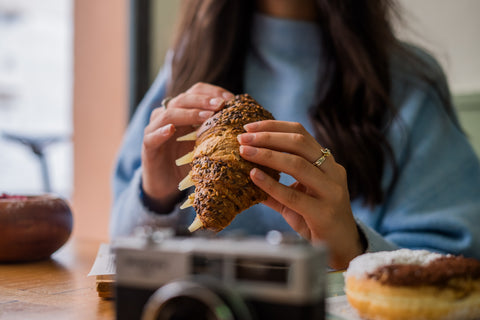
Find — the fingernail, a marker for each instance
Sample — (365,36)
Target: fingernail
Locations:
(205,114)
(165,129)
(248,151)
(216,102)
(245,137)
(227,95)
(258,174)
(250,126)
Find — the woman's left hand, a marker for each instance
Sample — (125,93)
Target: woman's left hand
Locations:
(317,205)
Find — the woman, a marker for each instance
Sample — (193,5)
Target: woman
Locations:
(402,173)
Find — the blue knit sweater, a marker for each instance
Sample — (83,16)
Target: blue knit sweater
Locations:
(434,204)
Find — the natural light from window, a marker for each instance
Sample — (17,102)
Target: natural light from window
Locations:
(36,96)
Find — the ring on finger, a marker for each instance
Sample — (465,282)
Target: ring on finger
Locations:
(325,153)
(165,102)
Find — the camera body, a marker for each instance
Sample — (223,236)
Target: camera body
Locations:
(219,278)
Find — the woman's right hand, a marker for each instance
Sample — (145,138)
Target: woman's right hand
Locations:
(160,149)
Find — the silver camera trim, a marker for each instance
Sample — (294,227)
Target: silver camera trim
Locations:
(143,263)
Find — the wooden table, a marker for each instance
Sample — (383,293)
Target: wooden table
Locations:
(57,288)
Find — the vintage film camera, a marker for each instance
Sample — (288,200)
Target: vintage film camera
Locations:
(219,278)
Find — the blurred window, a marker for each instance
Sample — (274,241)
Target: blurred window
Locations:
(36,96)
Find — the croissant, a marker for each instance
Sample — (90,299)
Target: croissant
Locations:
(223,187)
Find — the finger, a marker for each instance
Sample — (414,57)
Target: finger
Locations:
(275,126)
(295,206)
(210,90)
(196,101)
(283,199)
(177,117)
(302,145)
(295,220)
(285,136)
(277,206)
(155,139)
(296,166)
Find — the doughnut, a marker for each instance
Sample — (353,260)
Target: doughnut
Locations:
(413,284)
(32,227)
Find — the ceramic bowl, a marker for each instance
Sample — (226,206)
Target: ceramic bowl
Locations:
(33,227)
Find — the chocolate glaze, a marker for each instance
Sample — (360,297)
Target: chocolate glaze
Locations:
(439,272)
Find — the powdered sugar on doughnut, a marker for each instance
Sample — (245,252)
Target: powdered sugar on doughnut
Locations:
(369,262)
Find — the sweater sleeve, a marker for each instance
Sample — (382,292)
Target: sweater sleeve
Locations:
(435,202)
(128,210)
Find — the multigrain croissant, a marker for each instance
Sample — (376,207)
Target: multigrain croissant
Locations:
(223,187)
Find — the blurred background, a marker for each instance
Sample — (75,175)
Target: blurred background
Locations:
(72,73)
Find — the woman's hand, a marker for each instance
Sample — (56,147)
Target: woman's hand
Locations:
(160,149)
(317,205)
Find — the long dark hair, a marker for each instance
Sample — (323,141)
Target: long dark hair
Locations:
(351,114)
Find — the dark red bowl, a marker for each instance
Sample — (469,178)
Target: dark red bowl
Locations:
(33,227)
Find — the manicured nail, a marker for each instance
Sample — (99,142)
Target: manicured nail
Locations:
(216,102)
(250,126)
(205,114)
(245,137)
(248,151)
(165,129)
(258,174)
(227,95)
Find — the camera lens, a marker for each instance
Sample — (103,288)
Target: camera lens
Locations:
(199,299)
(185,308)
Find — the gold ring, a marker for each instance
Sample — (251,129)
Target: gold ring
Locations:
(325,153)
(165,102)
